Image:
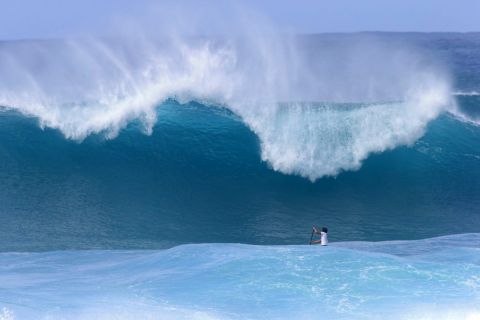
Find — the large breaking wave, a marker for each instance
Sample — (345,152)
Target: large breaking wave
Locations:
(290,91)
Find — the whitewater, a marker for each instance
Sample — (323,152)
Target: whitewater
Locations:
(177,177)
(426,279)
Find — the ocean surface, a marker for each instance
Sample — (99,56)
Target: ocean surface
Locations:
(181,178)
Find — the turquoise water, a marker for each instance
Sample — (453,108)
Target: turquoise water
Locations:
(183,182)
(199,178)
(425,279)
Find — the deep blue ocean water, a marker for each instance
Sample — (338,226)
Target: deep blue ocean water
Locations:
(221,196)
(199,178)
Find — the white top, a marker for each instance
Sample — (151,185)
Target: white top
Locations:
(323,238)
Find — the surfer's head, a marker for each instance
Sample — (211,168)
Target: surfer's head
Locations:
(325,229)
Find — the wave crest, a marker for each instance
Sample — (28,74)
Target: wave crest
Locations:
(96,86)
(315,141)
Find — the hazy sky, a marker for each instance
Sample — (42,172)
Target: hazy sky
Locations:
(58,18)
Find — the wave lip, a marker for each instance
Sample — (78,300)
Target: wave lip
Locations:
(314,141)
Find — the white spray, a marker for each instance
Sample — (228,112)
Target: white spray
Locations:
(295,93)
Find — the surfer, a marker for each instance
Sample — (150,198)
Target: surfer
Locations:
(323,241)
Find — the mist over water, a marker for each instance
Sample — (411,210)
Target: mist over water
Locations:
(172,165)
(285,88)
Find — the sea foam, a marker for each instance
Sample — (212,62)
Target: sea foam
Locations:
(425,279)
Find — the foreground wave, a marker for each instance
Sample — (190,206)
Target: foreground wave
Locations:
(435,278)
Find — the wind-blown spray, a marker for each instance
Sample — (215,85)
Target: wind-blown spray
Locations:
(295,93)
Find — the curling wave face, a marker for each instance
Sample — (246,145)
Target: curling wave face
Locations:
(199,178)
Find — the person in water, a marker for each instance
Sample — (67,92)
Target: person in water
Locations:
(323,241)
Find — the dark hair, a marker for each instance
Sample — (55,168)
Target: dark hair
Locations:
(325,229)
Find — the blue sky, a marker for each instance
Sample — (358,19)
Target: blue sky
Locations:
(59,18)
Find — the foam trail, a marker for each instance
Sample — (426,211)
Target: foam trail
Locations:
(466,110)
(462,116)
(466,93)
